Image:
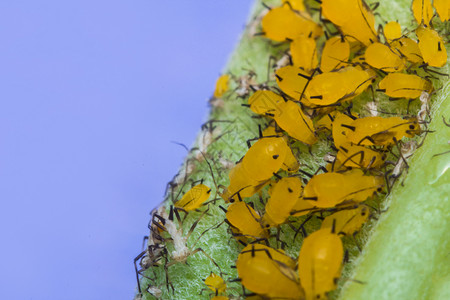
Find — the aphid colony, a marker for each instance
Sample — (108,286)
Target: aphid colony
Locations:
(332,62)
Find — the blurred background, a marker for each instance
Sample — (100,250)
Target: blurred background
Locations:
(91,95)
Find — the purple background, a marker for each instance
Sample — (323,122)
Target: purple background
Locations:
(92,92)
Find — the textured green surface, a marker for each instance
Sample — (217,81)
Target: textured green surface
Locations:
(407,255)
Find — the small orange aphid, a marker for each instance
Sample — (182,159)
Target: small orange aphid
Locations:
(329,189)
(383,58)
(353,17)
(304,53)
(292,120)
(264,274)
(339,132)
(400,85)
(245,219)
(282,23)
(320,263)
(334,54)
(221,86)
(347,221)
(194,198)
(282,200)
(392,31)
(265,157)
(265,102)
(431,46)
(292,81)
(442,9)
(379,131)
(241,183)
(422,11)
(329,88)
(215,283)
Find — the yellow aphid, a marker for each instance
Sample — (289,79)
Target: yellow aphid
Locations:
(194,198)
(296,4)
(252,250)
(296,123)
(422,11)
(392,31)
(320,263)
(380,131)
(329,189)
(265,102)
(304,53)
(339,132)
(263,274)
(284,196)
(431,46)
(245,219)
(408,48)
(265,157)
(442,9)
(400,85)
(335,52)
(241,183)
(292,81)
(215,283)
(353,17)
(384,58)
(329,88)
(282,23)
(359,156)
(221,86)
(347,221)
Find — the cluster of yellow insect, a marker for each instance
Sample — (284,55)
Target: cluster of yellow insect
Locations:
(332,62)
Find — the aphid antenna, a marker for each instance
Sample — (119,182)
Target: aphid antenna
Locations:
(321,168)
(211,170)
(266,6)
(427,69)
(304,173)
(357,281)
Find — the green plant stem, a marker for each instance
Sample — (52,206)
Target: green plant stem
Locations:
(407,254)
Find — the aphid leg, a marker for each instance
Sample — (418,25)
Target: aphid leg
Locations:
(438,154)
(321,168)
(210,258)
(346,256)
(137,258)
(361,158)
(370,139)
(168,282)
(400,151)
(191,230)
(445,122)
(302,228)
